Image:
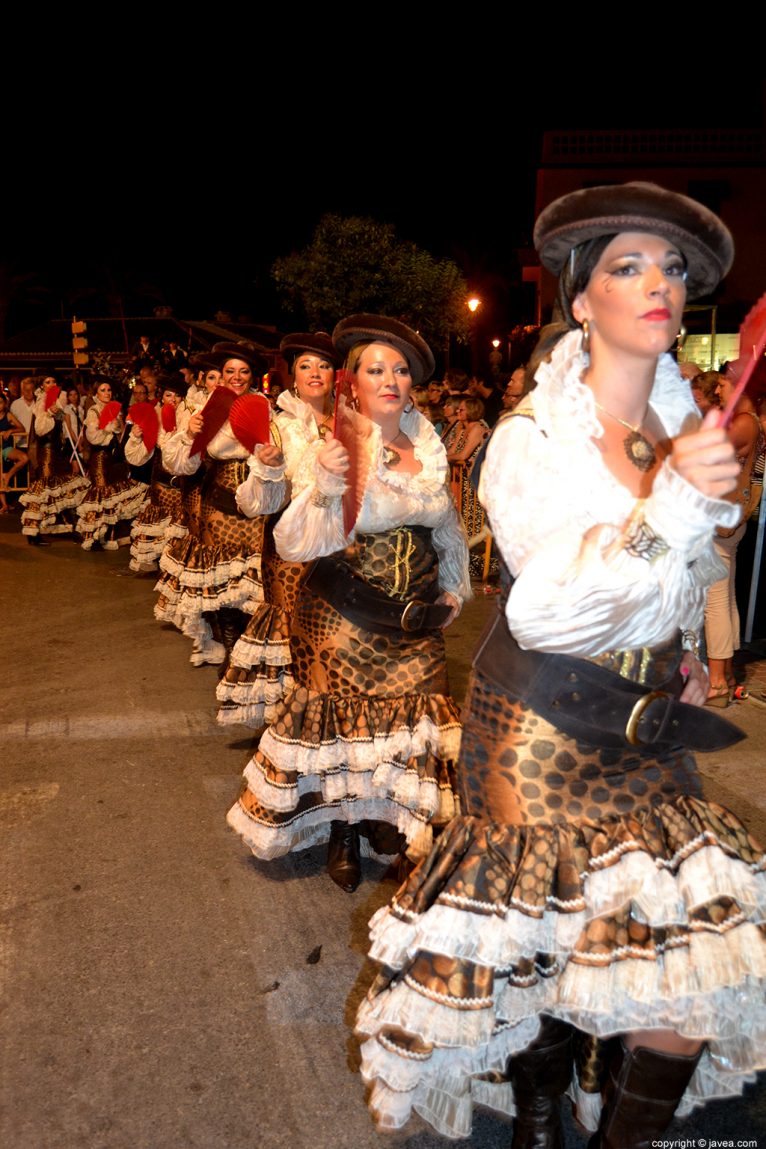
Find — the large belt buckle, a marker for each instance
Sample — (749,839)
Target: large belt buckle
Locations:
(637,713)
(410,622)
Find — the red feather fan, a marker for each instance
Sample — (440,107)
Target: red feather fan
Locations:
(51,395)
(752,343)
(249,418)
(347,428)
(110,412)
(168,417)
(214,415)
(144,415)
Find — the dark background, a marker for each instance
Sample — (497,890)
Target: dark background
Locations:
(170,188)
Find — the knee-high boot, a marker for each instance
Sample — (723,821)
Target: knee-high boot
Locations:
(641,1096)
(540,1074)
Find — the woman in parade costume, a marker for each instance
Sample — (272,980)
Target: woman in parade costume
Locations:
(368,734)
(162,519)
(211,581)
(209,377)
(55,491)
(260,672)
(588,883)
(111,501)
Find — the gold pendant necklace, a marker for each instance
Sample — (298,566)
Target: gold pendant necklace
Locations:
(637,447)
(390,456)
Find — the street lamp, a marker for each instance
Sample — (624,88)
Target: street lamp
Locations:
(473,304)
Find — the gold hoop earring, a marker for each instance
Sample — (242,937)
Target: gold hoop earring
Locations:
(585,343)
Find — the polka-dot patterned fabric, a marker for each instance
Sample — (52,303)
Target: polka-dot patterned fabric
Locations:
(260,668)
(221,565)
(368,733)
(595,885)
(162,519)
(110,501)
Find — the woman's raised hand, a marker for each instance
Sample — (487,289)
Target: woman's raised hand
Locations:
(195,424)
(334,457)
(706,458)
(270,455)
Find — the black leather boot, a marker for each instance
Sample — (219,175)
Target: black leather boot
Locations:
(540,1074)
(343,864)
(232,625)
(641,1096)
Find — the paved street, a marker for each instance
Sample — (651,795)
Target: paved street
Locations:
(160,988)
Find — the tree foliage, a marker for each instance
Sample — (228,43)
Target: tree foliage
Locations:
(358,264)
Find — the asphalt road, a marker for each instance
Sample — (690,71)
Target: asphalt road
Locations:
(160,988)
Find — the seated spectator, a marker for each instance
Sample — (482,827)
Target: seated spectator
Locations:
(13,455)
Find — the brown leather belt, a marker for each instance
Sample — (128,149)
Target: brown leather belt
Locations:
(596,705)
(335,583)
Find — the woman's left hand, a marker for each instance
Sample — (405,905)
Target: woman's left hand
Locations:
(449,600)
(697,684)
(271,456)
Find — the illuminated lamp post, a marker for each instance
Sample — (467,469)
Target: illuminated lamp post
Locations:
(473,304)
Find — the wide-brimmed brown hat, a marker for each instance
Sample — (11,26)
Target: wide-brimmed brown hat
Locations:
(172,381)
(248,352)
(382,329)
(309,343)
(697,232)
(204,361)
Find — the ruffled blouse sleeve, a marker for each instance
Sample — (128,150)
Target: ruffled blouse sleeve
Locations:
(595,569)
(135,450)
(265,490)
(312,526)
(44,420)
(96,435)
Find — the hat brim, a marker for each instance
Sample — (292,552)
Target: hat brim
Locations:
(309,343)
(382,329)
(247,352)
(703,239)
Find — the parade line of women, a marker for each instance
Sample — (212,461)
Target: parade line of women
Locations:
(579,919)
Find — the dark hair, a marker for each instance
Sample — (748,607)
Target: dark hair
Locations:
(574,278)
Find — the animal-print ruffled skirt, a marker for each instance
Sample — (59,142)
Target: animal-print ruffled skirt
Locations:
(160,521)
(368,733)
(109,502)
(596,886)
(219,567)
(259,674)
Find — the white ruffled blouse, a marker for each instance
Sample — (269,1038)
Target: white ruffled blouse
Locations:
(99,436)
(566,527)
(312,526)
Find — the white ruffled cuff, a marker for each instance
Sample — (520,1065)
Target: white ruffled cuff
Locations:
(312,526)
(264,492)
(328,484)
(682,515)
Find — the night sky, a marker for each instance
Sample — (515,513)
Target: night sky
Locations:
(190,207)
